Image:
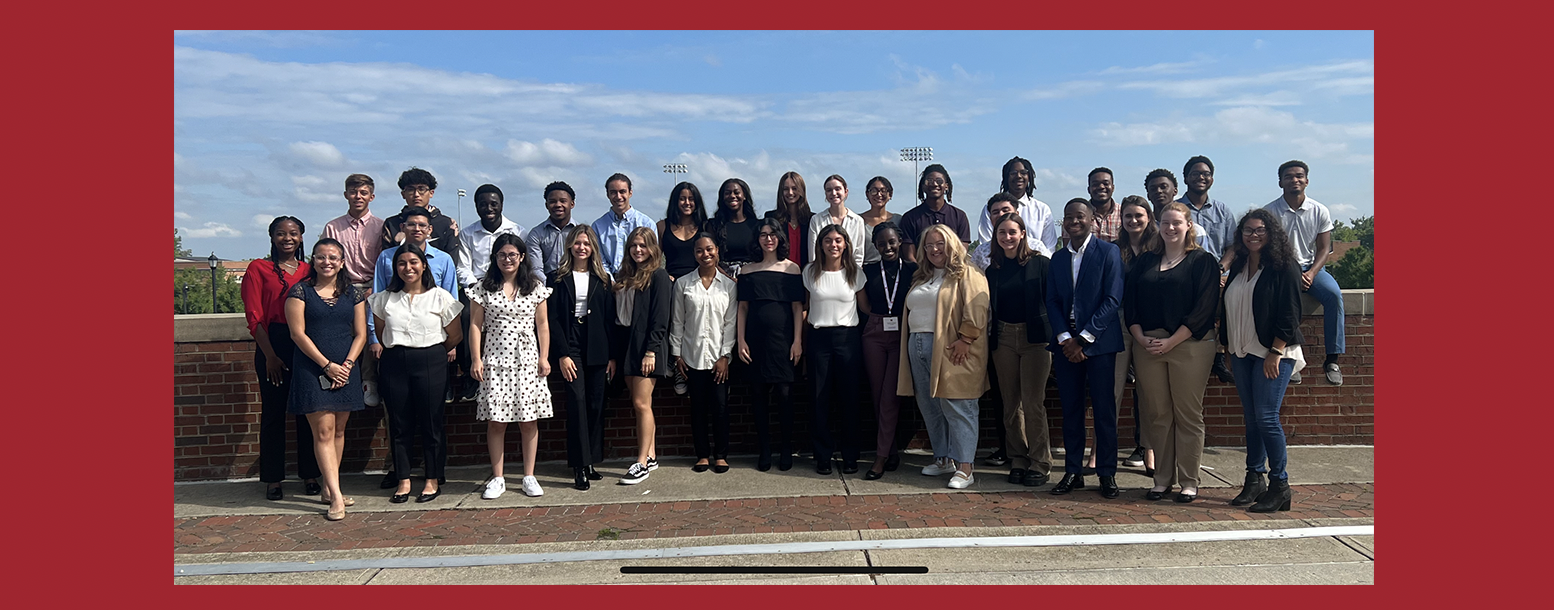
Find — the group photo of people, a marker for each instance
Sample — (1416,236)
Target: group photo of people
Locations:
(913,309)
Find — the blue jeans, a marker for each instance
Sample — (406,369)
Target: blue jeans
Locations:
(1325,290)
(1261,398)
(952,423)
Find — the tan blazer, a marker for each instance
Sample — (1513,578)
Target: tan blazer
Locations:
(962,310)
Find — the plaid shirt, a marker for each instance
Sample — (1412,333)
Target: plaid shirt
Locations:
(1108,225)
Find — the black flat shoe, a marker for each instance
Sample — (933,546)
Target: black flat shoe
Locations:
(1087,470)
(1156,496)
(701,467)
(311,488)
(785,462)
(390,480)
(1109,487)
(1149,472)
(873,476)
(428,497)
(893,462)
(1017,475)
(1034,479)
(823,467)
(1182,498)
(273,493)
(580,479)
(400,498)
(849,467)
(764,463)
(1068,483)
(593,475)
(719,468)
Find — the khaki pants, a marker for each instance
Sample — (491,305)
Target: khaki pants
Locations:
(1170,393)
(1022,381)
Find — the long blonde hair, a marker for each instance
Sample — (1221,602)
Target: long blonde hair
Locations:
(955,263)
(595,259)
(633,276)
(1189,241)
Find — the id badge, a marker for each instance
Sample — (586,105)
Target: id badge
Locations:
(891,323)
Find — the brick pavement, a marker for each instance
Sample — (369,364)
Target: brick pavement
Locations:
(258,533)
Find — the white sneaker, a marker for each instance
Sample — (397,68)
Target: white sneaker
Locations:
(494,488)
(531,487)
(636,474)
(370,393)
(938,467)
(961,480)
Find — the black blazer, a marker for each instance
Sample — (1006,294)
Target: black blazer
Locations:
(649,330)
(593,337)
(1037,329)
(804,237)
(1275,306)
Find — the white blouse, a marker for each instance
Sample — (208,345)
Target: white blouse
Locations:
(414,320)
(702,327)
(832,301)
(922,304)
(857,231)
(1241,326)
(580,293)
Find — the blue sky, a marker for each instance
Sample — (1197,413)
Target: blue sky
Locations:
(270,123)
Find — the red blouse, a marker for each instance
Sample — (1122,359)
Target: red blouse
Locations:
(264,298)
(795,251)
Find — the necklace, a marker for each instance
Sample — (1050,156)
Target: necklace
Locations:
(1168,265)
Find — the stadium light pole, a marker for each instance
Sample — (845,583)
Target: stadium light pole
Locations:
(675,168)
(460,205)
(915,154)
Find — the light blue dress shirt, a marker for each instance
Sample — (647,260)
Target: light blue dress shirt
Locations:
(613,231)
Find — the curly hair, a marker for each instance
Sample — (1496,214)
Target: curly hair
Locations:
(1009,166)
(778,228)
(492,282)
(632,275)
(416,175)
(1277,253)
(955,263)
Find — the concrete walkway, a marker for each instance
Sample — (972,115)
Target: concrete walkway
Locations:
(230,522)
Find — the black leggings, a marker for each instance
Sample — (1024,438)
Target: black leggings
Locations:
(272,415)
(708,399)
(413,381)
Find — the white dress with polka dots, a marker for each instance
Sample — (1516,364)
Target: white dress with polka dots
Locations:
(513,390)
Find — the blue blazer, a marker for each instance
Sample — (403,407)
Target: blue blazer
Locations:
(1095,298)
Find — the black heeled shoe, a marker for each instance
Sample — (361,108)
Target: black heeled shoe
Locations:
(1016,476)
(1068,483)
(719,468)
(1156,496)
(871,475)
(273,493)
(1254,486)
(893,462)
(1149,472)
(400,498)
(580,479)
(1276,498)
(593,475)
(311,488)
(785,461)
(428,497)
(1109,487)
(1185,498)
(701,467)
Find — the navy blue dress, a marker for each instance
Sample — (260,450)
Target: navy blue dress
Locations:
(329,327)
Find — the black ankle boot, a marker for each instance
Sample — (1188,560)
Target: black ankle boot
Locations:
(1276,498)
(1221,371)
(1254,486)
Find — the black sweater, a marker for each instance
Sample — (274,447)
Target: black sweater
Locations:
(1184,295)
(1038,329)
(1275,306)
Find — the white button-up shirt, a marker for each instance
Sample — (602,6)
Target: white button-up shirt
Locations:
(475,249)
(1077,258)
(852,224)
(704,320)
(415,321)
(1040,232)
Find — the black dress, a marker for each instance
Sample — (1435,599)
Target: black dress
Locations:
(329,327)
(769,322)
(679,258)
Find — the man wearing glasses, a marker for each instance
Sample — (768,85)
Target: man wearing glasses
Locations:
(417,186)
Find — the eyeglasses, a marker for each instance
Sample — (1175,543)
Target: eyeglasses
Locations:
(417,226)
(767,234)
(415,190)
(1020,172)
(875,191)
(507,256)
(1254,230)
(934,182)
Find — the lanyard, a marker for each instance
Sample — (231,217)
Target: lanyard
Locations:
(890,292)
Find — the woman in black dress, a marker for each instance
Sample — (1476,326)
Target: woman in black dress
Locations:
(734,225)
(682,220)
(771,312)
(328,321)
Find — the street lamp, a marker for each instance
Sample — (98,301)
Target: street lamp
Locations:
(214,262)
(186,288)
(675,168)
(915,154)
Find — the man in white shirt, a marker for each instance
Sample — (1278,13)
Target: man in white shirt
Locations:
(1310,227)
(473,259)
(1040,231)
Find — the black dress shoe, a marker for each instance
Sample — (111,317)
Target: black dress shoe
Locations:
(823,467)
(785,462)
(893,462)
(273,493)
(400,498)
(580,479)
(719,468)
(1182,498)
(1068,483)
(873,476)
(390,480)
(1017,475)
(428,497)
(1034,479)
(311,488)
(701,467)
(849,467)
(1109,487)
(593,475)
(1156,496)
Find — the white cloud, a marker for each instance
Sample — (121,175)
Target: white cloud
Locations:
(1343,207)
(922,100)
(1247,125)
(547,152)
(1063,90)
(211,229)
(322,154)
(1277,98)
(1259,44)
(177,160)
(1160,68)
(1310,76)
(181,215)
(712,60)
(262,221)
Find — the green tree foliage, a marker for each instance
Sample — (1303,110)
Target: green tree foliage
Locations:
(1357,267)
(178,250)
(228,291)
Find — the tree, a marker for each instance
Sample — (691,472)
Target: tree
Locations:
(178,250)
(228,292)
(1357,268)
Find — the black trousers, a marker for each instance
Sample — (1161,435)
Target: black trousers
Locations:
(709,400)
(835,355)
(1097,372)
(272,415)
(585,417)
(765,394)
(412,383)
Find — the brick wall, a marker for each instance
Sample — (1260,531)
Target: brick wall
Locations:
(216,408)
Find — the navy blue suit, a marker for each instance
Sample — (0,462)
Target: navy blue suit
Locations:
(1094,299)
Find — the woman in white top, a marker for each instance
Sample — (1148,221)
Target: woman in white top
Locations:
(417,322)
(1260,327)
(835,283)
(509,344)
(945,352)
(582,318)
(702,342)
(838,214)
